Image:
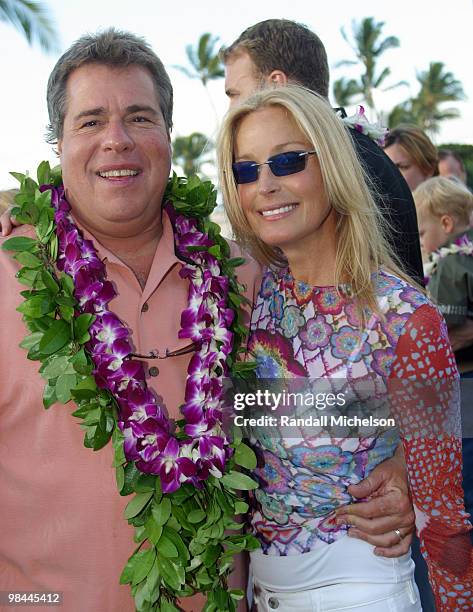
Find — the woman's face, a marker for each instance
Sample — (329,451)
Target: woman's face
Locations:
(411,172)
(290,212)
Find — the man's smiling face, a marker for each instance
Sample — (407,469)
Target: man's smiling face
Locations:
(115,150)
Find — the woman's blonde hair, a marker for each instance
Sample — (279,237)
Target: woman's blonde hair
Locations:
(417,145)
(360,230)
(441,196)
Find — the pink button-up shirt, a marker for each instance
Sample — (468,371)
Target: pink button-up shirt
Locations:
(61,517)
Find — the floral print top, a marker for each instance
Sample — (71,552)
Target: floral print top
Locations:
(315,332)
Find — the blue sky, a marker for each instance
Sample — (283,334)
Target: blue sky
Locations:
(428,31)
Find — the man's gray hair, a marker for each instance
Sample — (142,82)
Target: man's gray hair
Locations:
(113,48)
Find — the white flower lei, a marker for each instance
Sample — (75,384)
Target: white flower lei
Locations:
(461,245)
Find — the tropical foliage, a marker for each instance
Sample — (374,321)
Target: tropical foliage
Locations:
(205,61)
(32,20)
(426,109)
(191,152)
(368,46)
(345,90)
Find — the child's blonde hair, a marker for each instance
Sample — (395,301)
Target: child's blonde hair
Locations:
(441,196)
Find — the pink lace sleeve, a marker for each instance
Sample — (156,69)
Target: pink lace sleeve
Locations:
(424,393)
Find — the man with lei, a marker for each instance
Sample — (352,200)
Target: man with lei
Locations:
(133,309)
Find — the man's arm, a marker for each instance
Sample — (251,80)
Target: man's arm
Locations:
(388,507)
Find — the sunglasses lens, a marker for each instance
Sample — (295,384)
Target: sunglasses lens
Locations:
(280,165)
(288,163)
(245,172)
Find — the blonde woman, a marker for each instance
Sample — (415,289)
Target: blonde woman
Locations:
(334,306)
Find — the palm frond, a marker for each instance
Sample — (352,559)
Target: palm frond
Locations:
(391,42)
(368,45)
(204,60)
(191,152)
(345,63)
(185,71)
(32,20)
(437,86)
(398,84)
(344,90)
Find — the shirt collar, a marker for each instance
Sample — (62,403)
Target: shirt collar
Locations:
(164,259)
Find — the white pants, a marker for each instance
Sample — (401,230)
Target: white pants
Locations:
(365,597)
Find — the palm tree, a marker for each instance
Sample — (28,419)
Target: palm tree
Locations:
(205,61)
(344,90)
(402,113)
(368,47)
(437,86)
(190,152)
(31,19)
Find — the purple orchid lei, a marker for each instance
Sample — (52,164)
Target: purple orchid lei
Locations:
(150,437)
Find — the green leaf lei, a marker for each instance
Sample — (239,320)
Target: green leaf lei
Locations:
(185,540)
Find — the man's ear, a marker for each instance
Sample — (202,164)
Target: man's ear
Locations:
(277,77)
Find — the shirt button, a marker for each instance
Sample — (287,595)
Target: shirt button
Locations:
(153,371)
(273,603)
(145,307)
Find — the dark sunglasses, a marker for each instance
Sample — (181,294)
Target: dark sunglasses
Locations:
(281,164)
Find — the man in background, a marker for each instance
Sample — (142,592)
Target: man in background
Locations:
(451,164)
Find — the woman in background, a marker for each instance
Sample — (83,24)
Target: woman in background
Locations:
(334,306)
(412,151)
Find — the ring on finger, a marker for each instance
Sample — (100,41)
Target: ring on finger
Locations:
(399,534)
